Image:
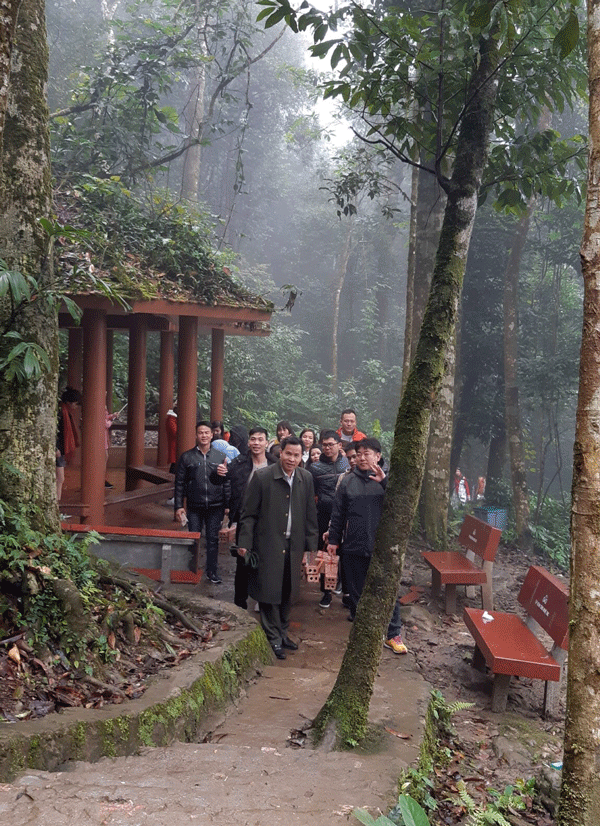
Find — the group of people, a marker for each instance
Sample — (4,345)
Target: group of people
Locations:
(286,496)
(461,493)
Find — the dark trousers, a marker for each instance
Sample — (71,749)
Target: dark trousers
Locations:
(211,519)
(275,617)
(240,583)
(355,573)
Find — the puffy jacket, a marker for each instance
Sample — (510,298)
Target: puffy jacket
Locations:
(356,512)
(238,473)
(197,480)
(325,475)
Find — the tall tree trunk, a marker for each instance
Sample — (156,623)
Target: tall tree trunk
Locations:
(193,114)
(435,495)
(28,413)
(580,790)
(9,10)
(496,455)
(410,277)
(518,470)
(345,712)
(338,285)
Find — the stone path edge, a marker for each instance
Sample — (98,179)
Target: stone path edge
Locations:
(177,705)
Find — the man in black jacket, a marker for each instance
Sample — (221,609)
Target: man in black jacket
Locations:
(355,517)
(240,471)
(326,472)
(200,479)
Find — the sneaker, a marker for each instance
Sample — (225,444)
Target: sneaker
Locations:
(326,600)
(396,645)
(337,590)
(214,579)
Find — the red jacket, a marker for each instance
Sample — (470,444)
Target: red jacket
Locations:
(356,437)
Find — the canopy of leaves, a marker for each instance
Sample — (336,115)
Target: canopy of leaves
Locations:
(403,69)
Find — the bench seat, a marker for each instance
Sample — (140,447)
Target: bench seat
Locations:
(452,568)
(156,475)
(509,647)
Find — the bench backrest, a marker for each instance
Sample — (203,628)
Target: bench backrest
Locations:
(480,538)
(182,534)
(546,600)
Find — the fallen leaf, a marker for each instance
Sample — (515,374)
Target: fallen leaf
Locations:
(398,733)
(15,655)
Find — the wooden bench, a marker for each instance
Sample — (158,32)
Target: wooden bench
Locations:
(160,555)
(510,647)
(452,568)
(156,475)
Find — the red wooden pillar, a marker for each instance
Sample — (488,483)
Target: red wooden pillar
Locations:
(216,375)
(136,395)
(165,392)
(75,358)
(109,369)
(187,383)
(92,420)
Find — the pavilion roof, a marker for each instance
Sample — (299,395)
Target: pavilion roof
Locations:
(124,269)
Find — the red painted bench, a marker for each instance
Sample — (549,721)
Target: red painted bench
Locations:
(161,555)
(510,647)
(452,568)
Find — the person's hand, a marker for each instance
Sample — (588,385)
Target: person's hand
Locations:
(222,468)
(242,552)
(332,550)
(325,537)
(377,472)
(181,515)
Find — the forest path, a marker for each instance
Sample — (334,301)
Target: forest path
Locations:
(250,773)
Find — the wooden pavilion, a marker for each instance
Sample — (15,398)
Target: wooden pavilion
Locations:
(90,370)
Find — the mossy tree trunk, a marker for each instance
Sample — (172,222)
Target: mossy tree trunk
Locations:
(514,432)
(9,11)
(580,790)
(345,713)
(28,413)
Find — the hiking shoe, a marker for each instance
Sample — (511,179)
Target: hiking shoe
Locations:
(214,579)
(396,645)
(326,600)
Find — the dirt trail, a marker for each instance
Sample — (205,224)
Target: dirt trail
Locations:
(249,773)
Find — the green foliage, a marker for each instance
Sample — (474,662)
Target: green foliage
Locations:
(393,64)
(28,552)
(492,812)
(122,119)
(23,360)
(407,812)
(148,248)
(550,530)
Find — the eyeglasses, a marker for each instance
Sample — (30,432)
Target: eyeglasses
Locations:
(329,444)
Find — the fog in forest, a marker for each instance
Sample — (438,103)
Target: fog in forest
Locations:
(315,218)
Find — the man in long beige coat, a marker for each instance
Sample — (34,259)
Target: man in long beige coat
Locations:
(278,524)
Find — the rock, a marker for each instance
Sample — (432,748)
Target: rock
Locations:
(515,754)
(547,784)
